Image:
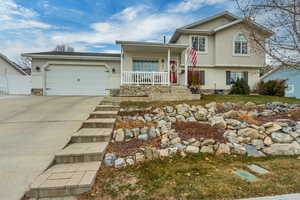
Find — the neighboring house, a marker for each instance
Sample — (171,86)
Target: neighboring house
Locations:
(8,67)
(224,50)
(13,78)
(292,77)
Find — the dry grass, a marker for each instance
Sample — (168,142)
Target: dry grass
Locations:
(198,176)
(134,124)
(250,120)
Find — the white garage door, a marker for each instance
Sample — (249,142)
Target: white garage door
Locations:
(76,80)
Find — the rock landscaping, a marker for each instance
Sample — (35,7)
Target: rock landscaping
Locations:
(217,128)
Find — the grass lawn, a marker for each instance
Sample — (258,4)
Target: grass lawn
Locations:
(259,99)
(197,176)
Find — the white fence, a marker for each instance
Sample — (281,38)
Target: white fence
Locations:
(15,85)
(145,78)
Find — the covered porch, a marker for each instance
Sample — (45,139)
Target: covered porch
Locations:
(148,63)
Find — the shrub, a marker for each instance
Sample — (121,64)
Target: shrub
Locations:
(240,87)
(272,88)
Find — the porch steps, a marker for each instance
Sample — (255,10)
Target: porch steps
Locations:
(64,180)
(107,108)
(76,166)
(85,135)
(81,152)
(104,114)
(99,123)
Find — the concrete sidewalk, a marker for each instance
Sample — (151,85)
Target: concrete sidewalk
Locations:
(32,130)
(279,197)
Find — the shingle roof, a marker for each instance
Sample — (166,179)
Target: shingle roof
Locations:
(60,53)
(13,64)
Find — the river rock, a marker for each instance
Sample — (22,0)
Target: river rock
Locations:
(207,149)
(268,141)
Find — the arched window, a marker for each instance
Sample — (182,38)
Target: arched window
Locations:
(240,44)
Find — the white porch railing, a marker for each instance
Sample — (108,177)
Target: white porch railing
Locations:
(145,78)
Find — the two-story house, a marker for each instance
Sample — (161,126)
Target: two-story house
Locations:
(224,52)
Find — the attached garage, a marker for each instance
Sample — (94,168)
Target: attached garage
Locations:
(74,73)
(63,80)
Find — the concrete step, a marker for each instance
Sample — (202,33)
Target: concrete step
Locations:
(107,108)
(81,152)
(109,103)
(99,123)
(104,114)
(92,135)
(63,180)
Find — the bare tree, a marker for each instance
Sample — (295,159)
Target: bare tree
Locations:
(282,17)
(64,48)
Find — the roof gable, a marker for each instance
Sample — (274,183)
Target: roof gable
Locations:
(14,65)
(221,18)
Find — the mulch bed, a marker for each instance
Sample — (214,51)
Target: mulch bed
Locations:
(198,131)
(131,147)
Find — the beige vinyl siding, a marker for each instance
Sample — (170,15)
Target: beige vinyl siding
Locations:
(215,78)
(225,49)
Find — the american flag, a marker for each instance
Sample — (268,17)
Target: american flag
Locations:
(193,55)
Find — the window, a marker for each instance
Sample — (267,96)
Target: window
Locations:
(240,44)
(199,43)
(146,65)
(232,77)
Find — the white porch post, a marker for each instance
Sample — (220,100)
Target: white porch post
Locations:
(186,68)
(122,65)
(169,59)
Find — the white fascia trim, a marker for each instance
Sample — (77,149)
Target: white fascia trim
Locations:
(237,65)
(73,57)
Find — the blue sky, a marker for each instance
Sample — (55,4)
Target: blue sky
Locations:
(94,25)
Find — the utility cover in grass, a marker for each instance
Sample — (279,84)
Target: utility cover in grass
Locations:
(245,175)
(258,169)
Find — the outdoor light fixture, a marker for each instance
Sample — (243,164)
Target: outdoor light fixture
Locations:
(162,60)
(37,68)
(113,70)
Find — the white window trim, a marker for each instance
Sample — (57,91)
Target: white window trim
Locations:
(233,46)
(206,43)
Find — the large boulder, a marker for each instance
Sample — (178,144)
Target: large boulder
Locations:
(223,149)
(250,105)
(249,132)
(281,137)
(231,114)
(201,115)
(207,149)
(119,135)
(182,108)
(283,149)
(218,122)
(192,149)
(275,127)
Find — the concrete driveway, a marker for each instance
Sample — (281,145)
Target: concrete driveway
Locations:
(32,129)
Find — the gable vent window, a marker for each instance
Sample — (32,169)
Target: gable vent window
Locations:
(199,43)
(241,45)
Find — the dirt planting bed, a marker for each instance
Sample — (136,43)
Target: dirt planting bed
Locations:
(198,131)
(129,148)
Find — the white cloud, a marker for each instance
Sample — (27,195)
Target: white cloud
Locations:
(133,23)
(14,16)
(192,5)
